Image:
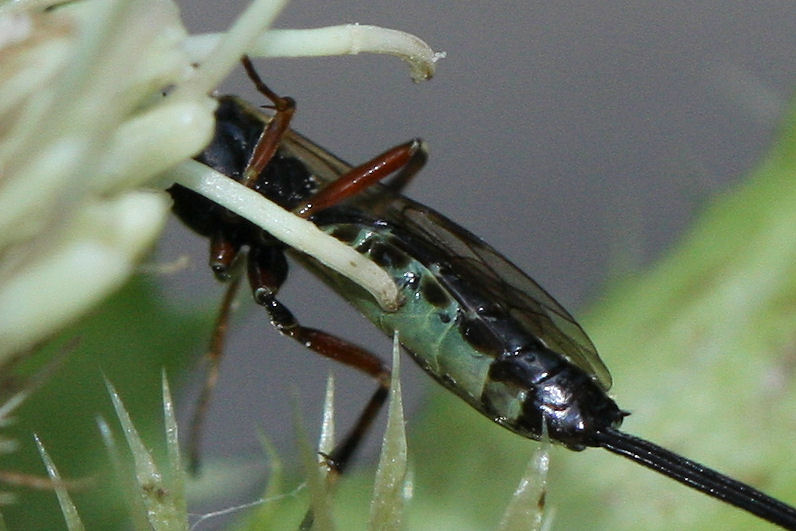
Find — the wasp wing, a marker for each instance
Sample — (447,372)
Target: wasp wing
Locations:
(493,274)
(472,258)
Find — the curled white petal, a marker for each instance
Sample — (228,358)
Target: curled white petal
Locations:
(289,228)
(346,39)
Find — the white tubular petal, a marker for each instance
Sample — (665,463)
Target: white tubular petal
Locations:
(346,39)
(296,232)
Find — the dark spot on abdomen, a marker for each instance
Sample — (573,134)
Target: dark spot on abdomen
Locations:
(387,255)
(433,293)
(345,233)
(480,336)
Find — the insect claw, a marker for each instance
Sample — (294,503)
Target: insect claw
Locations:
(221,272)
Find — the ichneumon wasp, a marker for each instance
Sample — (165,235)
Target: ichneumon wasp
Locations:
(471,319)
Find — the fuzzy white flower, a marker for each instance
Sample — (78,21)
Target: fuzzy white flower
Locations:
(88,141)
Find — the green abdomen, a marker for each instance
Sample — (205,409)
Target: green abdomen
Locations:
(431,323)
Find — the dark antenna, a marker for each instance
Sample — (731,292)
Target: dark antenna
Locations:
(697,476)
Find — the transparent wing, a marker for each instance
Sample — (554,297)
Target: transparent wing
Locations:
(473,259)
(527,301)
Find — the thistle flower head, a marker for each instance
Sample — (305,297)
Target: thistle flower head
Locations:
(77,112)
(98,99)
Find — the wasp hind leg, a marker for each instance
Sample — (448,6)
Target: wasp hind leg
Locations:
(267,272)
(223,259)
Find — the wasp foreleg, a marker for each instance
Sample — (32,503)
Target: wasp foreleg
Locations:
(269,140)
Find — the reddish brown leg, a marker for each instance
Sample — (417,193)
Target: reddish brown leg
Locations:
(267,271)
(268,143)
(408,158)
(408,172)
(214,354)
(222,256)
